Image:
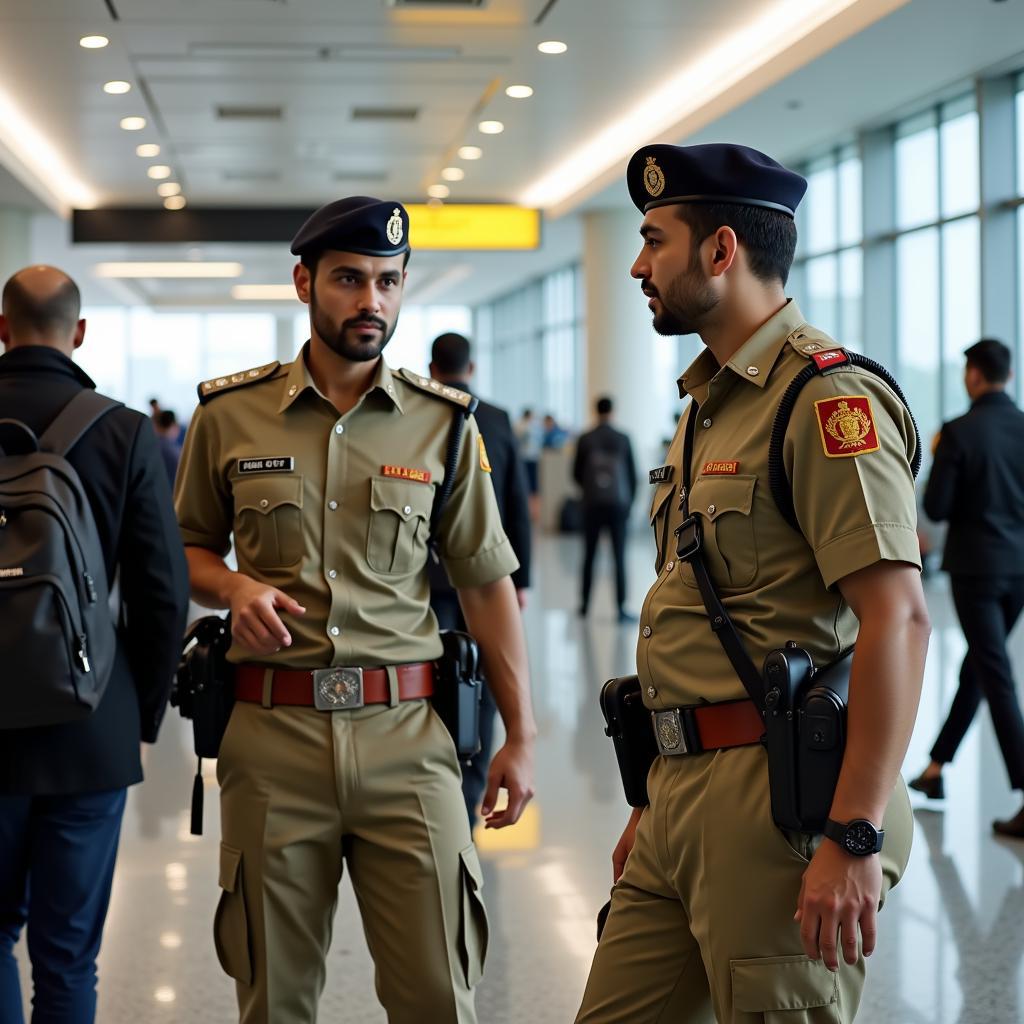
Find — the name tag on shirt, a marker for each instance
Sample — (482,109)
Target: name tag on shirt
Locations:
(729,468)
(421,476)
(285,464)
(660,475)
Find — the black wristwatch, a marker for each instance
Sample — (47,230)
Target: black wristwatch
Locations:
(859,837)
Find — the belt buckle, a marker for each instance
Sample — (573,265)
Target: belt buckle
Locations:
(669,733)
(338,689)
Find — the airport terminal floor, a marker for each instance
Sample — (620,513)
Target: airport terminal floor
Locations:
(952,933)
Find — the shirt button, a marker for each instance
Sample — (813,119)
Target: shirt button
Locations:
(670,566)
(264,503)
(407,510)
(333,574)
(339,429)
(292,390)
(335,631)
(332,505)
(707,422)
(652,692)
(647,631)
(752,371)
(711,510)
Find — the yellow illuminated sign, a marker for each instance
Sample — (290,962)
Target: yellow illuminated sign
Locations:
(473,226)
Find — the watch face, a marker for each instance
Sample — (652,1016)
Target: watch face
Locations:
(861,838)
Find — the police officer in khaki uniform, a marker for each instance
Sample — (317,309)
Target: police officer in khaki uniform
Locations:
(716,913)
(324,472)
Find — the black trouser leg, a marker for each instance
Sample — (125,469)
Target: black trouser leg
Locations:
(988,609)
(592,524)
(617,525)
(961,714)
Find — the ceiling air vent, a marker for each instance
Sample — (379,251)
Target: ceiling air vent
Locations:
(437,3)
(385,113)
(355,175)
(231,112)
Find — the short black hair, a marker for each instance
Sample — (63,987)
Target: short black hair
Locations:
(450,353)
(992,358)
(768,236)
(604,405)
(165,418)
(311,260)
(54,314)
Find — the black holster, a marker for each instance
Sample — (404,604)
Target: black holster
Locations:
(628,723)
(458,689)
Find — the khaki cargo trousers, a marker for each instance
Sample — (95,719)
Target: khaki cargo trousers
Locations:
(701,927)
(305,792)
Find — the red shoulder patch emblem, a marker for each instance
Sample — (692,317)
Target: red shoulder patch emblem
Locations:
(834,357)
(847,426)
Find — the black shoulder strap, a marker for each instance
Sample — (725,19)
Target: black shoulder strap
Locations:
(451,462)
(689,545)
(74,420)
(781,488)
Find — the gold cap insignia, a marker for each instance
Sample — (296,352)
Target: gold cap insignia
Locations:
(654,178)
(395,229)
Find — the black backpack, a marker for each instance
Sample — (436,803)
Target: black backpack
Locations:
(604,478)
(57,635)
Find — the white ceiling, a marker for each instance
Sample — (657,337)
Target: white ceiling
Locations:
(322,58)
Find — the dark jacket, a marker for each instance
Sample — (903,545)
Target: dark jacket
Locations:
(605,438)
(124,479)
(509,479)
(977,483)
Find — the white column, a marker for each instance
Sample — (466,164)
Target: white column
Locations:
(625,359)
(285,338)
(15,241)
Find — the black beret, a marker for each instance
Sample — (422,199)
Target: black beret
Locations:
(713,173)
(371,227)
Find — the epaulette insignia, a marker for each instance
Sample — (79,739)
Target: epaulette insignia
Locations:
(218,385)
(436,388)
(808,342)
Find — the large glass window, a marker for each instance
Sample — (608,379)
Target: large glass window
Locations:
(917,171)
(919,343)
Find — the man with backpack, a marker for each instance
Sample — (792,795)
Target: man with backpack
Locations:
(83,499)
(604,469)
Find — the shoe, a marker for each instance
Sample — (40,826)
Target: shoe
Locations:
(1012,827)
(931,786)
(625,616)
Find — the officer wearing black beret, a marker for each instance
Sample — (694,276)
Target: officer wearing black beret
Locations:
(324,473)
(717,913)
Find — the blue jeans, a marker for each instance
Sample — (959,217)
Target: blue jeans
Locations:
(57,858)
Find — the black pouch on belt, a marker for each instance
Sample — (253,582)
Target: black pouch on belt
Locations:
(629,726)
(204,691)
(458,690)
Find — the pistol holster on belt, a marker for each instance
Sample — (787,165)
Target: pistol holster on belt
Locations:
(629,726)
(458,691)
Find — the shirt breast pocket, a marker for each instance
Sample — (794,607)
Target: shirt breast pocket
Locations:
(724,506)
(399,525)
(661,512)
(268,521)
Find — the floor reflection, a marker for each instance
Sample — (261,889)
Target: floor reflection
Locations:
(952,939)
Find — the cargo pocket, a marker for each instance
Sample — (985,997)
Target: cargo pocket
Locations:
(399,525)
(268,520)
(473,929)
(230,922)
(723,505)
(786,990)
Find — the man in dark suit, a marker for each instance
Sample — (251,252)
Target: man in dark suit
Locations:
(605,471)
(977,484)
(451,363)
(62,787)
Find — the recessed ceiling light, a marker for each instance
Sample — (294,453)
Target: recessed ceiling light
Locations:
(159,171)
(180,268)
(439,191)
(519,92)
(147,149)
(178,203)
(552,46)
(453,174)
(491,127)
(168,188)
(133,124)
(470,152)
(263,292)
(117,88)
(93,42)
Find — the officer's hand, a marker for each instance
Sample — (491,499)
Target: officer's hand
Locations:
(254,620)
(511,769)
(839,893)
(625,844)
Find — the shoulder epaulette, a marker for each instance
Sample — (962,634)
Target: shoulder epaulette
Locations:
(218,385)
(809,341)
(438,390)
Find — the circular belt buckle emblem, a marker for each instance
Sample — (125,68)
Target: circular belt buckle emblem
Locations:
(338,690)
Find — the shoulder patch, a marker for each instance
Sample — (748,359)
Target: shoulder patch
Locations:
(847,426)
(218,385)
(810,342)
(437,389)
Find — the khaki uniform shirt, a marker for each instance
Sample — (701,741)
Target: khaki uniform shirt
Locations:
(335,510)
(853,497)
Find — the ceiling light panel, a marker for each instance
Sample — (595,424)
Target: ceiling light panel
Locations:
(178,203)
(93,42)
(117,88)
(158,172)
(264,292)
(453,174)
(491,127)
(193,268)
(421,5)
(147,149)
(470,152)
(168,188)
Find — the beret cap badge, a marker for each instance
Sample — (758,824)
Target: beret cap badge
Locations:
(394,228)
(654,178)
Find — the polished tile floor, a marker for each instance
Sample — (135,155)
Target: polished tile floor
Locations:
(952,939)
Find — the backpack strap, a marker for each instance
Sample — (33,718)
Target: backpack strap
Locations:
(74,420)
(825,362)
(451,461)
